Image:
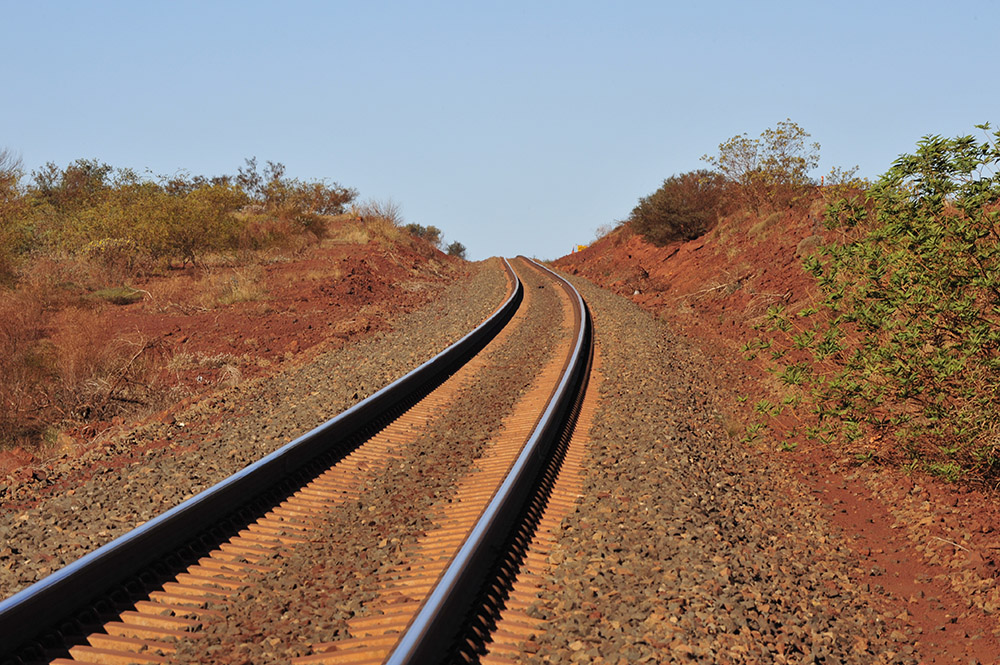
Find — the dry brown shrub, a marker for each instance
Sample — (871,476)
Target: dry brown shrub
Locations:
(66,366)
(281,228)
(8,260)
(79,342)
(24,367)
(58,282)
(621,235)
(98,378)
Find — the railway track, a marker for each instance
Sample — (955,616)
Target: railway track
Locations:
(436,598)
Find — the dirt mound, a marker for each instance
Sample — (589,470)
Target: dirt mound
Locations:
(222,323)
(715,284)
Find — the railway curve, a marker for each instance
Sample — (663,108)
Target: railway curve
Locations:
(32,621)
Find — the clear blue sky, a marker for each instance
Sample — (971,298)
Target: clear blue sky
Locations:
(515,127)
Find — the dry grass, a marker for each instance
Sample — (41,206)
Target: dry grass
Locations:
(229,365)
(385,233)
(79,344)
(604,230)
(345,230)
(762,228)
(186,361)
(181,361)
(229,376)
(98,378)
(239,285)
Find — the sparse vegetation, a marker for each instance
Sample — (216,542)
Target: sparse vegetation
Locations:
(125,224)
(373,211)
(768,174)
(11,209)
(80,239)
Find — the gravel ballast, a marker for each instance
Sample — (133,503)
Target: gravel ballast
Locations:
(334,577)
(106,492)
(688,545)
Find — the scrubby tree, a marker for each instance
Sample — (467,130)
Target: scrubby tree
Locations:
(456,249)
(11,207)
(80,184)
(202,222)
(770,171)
(684,207)
(273,189)
(116,217)
(10,176)
(431,234)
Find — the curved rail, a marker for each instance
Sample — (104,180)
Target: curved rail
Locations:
(430,636)
(43,605)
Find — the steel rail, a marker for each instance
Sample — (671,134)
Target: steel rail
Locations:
(431,635)
(40,607)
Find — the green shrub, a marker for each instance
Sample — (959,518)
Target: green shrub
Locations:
(684,207)
(200,222)
(906,344)
(456,249)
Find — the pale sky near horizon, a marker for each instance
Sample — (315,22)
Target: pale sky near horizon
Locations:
(515,127)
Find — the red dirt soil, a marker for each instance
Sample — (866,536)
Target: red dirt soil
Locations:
(300,305)
(931,548)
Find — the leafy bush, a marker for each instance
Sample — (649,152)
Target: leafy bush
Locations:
(117,257)
(121,221)
(201,222)
(906,342)
(456,249)
(771,171)
(684,207)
